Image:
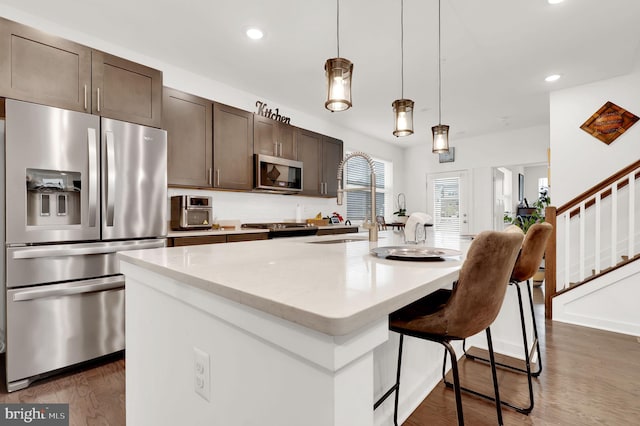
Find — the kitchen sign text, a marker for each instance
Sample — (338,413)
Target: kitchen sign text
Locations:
(270,113)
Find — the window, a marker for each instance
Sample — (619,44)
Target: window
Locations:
(357,175)
(446,196)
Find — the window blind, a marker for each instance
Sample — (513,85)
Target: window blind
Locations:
(446,196)
(359,175)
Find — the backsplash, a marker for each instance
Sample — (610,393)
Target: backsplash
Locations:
(257,207)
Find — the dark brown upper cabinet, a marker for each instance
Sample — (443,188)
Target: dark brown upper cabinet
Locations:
(331,158)
(321,156)
(37,67)
(125,90)
(274,138)
(232,148)
(188,120)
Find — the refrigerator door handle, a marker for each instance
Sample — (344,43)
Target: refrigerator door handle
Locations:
(52,251)
(88,286)
(93,175)
(111,177)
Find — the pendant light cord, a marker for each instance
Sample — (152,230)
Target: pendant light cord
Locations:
(402,49)
(439,70)
(338,25)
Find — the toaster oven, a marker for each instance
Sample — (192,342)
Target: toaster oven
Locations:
(191,212)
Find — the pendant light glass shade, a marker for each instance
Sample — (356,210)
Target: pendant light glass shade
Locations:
(440,138)
(403,112)
(338,72)
(441,131)
(402,108)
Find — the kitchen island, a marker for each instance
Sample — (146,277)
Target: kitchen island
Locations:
(277,332)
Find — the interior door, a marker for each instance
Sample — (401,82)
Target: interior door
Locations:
(498,199)
(447,198)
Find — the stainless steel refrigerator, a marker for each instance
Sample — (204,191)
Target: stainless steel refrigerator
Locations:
(78,189)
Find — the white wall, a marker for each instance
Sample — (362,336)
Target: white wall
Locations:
(479,155)
(578,160)
(245,207)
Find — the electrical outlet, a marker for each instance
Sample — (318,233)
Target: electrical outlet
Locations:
(201,373)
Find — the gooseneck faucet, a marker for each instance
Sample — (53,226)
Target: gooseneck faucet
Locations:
(372,226)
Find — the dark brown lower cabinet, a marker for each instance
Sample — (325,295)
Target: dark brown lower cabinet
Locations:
(215,239)
(337,231)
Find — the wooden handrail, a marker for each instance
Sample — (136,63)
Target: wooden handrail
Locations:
(599,187)
(551,214)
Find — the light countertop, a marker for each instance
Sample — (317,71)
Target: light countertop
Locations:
(331,288)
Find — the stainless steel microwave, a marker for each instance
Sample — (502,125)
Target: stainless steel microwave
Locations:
(278,174)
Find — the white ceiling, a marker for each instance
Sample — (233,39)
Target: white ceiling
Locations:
(496,53)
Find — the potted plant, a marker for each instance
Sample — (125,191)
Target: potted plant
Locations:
(401,213)
(536,212)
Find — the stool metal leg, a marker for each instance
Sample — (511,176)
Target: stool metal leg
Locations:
(535,333)
(456,380)
(495,377)
(527,354)
(395,388)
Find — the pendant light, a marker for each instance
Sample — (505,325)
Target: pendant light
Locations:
(441,131)
(338,71)
(402,108)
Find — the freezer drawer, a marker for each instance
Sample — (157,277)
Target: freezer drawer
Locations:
(55,326)
(65,262)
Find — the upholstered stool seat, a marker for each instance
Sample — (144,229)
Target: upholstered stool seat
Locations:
(470,307)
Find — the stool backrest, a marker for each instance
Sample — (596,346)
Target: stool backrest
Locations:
(477,297)
(530,258)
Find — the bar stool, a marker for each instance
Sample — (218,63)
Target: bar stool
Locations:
(527,264)
(470,307)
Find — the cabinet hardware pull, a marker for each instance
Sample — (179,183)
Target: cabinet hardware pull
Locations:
(218,176)
(85,97)
(275,149)
(98,99)
(210,179)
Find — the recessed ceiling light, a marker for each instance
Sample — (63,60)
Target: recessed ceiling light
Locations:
(552,77)
(255,33)
(554,1)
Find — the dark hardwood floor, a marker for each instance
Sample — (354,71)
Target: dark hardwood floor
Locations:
(589,377)
(94,392)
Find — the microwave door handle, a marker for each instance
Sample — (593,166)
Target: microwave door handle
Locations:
(111,177)
(92,142)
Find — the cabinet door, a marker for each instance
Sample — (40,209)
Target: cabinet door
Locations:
(40,68)
(125,90)
(273,138)
(188,121)
(310,153)
(286,138)
(264,136)
(331,157)
(232,147)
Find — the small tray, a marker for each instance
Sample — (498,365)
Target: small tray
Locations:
(415,253)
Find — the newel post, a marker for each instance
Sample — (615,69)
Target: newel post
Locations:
(550,262)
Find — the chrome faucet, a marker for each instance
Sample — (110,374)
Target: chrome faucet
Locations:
(372,225)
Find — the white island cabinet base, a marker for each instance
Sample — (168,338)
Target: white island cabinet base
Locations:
(263,370)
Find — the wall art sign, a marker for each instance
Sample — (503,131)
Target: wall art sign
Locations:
(609,122)
(447,157)
(270,113)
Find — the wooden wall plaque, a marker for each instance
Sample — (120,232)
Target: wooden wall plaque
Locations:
(609,122)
